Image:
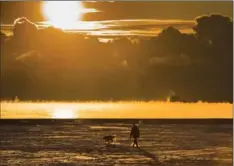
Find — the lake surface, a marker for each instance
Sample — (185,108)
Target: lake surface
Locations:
(134,109)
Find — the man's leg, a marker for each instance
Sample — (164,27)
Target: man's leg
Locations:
(135,142)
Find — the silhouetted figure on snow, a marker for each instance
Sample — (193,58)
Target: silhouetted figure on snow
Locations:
(135,134)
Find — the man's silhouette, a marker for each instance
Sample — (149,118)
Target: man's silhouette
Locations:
(135,134)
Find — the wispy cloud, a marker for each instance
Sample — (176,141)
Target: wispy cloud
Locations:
(141,27)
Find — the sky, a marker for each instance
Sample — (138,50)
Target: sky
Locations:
(138,15)
(188,51)
(123,10)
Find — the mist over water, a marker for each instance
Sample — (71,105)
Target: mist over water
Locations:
(132,109)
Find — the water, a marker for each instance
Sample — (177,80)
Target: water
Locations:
(134,109)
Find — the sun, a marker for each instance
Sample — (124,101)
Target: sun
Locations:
(63,14)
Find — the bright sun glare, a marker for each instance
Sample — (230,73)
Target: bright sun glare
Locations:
(63,14)
(63,114)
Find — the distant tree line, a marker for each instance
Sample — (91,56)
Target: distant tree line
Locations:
(49,64)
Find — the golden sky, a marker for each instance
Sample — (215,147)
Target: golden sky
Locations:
(112,18)
(122,10)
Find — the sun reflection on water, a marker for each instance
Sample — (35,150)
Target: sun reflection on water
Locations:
(132,109)
(63,114)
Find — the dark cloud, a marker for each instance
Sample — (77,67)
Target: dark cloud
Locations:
(3,36)
(51,64)
(24,26)
(172,60)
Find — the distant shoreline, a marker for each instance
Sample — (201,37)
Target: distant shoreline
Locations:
(108,101)
(212,121)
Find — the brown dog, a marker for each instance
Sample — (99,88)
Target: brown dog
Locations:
(109,139)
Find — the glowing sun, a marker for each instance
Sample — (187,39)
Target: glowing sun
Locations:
(63,14)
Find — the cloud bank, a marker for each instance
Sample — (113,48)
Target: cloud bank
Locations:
(50,64)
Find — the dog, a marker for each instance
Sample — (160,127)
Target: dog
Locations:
(109,139)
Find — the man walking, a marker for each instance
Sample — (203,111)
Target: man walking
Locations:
(135,134)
